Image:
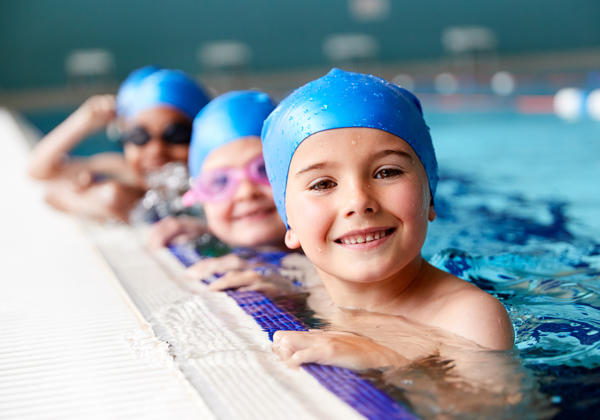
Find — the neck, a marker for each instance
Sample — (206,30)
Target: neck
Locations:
(385,295)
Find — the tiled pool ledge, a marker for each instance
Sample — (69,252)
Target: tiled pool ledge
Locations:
(96,326)
(69,334)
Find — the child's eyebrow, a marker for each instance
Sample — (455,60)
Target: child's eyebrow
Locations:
(313,167)
(399,153)
(378,155)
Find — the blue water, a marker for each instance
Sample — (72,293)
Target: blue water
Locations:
(518,210)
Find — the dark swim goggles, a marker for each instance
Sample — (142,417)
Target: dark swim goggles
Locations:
(176,133)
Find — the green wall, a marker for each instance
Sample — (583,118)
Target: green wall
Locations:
(37,35)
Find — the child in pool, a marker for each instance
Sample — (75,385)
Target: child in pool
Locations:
(230,182)
(156,108)
(354,173)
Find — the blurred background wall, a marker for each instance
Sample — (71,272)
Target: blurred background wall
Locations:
(56,52)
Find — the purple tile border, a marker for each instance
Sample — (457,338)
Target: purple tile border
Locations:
(346,384)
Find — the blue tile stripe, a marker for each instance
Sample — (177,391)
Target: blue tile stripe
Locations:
(346,384)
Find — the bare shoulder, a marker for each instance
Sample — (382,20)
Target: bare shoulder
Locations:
(471,313)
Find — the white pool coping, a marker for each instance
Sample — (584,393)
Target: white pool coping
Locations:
(93,325)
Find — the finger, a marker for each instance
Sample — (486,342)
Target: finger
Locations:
(258,286)
(307,355)
(108,103)
(234,280)
(295,340)
(232,262)
(334,333)
(207,267)
(283,352)
(162,231)
(182,238)
(83,180)
(210,266)
(199,270)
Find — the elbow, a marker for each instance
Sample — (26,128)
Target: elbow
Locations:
(34,171)
(38,171)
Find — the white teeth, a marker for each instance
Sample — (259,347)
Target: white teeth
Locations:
(359,239)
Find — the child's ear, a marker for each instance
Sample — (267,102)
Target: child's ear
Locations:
(291,240)
(432,215)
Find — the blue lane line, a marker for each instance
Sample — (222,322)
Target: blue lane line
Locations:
(346,384)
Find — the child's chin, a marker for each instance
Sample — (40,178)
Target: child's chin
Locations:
(256,237)
(356,275)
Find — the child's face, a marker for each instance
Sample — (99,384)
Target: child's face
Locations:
(249,217)
(358,203)
(156,151)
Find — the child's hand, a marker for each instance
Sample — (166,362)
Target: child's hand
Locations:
(333,348)
(175,230)
(96,112)
(271,285)
(211,266)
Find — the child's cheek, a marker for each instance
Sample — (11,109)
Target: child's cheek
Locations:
(315,216)
(218,216)
(413,202)
(178,153)
(132,157)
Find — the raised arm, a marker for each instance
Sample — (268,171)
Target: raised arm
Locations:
(48,157)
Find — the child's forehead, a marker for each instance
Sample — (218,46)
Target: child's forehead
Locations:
(349,141)
(157,116)
(233,154)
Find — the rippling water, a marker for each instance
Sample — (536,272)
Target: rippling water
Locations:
(519,212)
(518,209)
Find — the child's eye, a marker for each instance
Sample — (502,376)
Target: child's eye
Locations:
(388,173)
(322,184)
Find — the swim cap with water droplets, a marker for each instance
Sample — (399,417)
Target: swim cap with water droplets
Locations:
(342,99)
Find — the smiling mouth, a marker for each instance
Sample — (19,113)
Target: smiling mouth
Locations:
(362,238)
(255,214)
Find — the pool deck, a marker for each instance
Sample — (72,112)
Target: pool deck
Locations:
(86,311)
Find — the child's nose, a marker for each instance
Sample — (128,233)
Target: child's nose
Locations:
(360,200)
(246,190)
(155,147)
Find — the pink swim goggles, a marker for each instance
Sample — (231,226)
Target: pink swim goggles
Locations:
(221,184)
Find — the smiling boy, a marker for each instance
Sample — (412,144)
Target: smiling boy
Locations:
(354,175)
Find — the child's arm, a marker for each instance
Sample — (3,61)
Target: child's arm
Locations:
(175,230)
(48,156)
(105,200)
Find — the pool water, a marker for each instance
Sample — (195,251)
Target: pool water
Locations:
(518,210)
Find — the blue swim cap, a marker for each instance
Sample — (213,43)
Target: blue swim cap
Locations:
(342,99)
(168,87)
(225,119)
(126,93)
